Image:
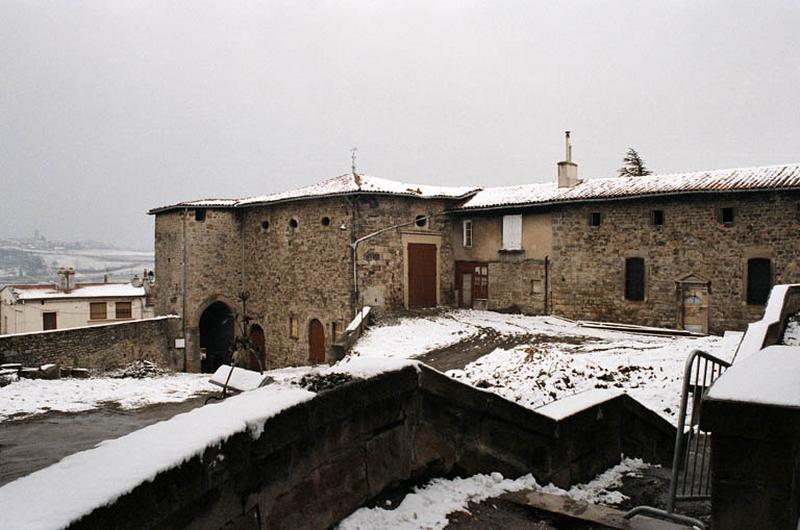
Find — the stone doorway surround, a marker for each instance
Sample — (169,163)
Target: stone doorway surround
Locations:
(693,293)
(416,237)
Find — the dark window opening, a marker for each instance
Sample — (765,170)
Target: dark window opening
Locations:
(727,216)
(421,221)
(293,223)
(634,279)
(123,310)
(759,280)
(657,217)
(265,225)
(48,321)
(200,214)
(595,219)
(326,221)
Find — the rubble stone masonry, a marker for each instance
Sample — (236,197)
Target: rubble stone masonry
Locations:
(295,261)
(588,262)
(101,347)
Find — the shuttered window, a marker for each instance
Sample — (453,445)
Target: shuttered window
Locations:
(123,310)
(512,232)
(759,280)
(634,279)
(97,311)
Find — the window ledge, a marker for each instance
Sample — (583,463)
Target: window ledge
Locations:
(511,251)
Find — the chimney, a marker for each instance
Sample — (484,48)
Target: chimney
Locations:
(66,279)
(62,279)
(136,281)
(70,274)
(567,169)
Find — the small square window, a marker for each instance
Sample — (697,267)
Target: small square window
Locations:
(657,217)
(595,219)
(200,214)
(727,216)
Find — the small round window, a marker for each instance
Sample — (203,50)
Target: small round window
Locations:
(326,221)
(422,221)
(293,223)
(265,226)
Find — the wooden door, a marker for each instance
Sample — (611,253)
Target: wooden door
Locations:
(259,345)
(421,275)
(316,342)
(695,308)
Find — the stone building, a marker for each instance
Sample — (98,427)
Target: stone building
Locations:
(698,251)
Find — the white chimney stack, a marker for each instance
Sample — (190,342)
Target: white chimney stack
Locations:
(567,169)
(66,279)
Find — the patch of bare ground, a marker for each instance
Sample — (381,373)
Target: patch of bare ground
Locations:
(485,342)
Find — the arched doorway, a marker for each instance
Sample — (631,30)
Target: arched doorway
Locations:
(216,336)
(316,342)
(259,345)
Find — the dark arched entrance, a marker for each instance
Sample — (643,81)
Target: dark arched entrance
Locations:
(259,345)
(316,342)
(216,336)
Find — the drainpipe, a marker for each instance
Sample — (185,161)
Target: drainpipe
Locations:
(183,288)
(356,242)
(546,282)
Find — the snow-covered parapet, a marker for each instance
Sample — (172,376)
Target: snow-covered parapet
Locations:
(768,330)
(59,495)
(772,378)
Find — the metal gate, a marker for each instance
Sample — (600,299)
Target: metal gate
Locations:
(691,461)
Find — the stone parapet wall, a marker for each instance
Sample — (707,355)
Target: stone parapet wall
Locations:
(101,347)
(589,262)
(317,462)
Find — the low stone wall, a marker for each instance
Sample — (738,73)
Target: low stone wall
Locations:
(318,461)
(102,347)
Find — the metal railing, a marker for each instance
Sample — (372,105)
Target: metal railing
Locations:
(691,461)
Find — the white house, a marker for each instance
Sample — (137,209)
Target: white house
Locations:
(37,307)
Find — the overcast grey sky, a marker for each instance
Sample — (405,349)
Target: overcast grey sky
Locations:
(108,108)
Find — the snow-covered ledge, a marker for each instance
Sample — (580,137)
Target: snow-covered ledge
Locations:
(783,300)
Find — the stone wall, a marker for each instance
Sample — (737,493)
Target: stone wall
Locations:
(317,462)
(588,262)
(101,347)
(295,261)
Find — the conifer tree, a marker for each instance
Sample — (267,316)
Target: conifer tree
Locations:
(633,165)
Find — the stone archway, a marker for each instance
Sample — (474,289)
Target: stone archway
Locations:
(216,329)
(259,342)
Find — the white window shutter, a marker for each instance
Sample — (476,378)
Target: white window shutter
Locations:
(512,232)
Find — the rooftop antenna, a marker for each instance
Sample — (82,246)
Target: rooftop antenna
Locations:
(353,155)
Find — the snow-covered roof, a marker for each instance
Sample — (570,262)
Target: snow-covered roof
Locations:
(347,184)
(718,180)
(82,290)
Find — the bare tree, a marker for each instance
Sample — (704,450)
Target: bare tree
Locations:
(633,165)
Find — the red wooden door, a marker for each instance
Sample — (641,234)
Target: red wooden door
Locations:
(259,345)
(316,342)
(421,275)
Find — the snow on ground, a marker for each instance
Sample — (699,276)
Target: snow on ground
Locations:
(58,495)
(28,397)
(427,506)
(564,359)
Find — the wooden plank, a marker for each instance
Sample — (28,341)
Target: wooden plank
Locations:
(594,513)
